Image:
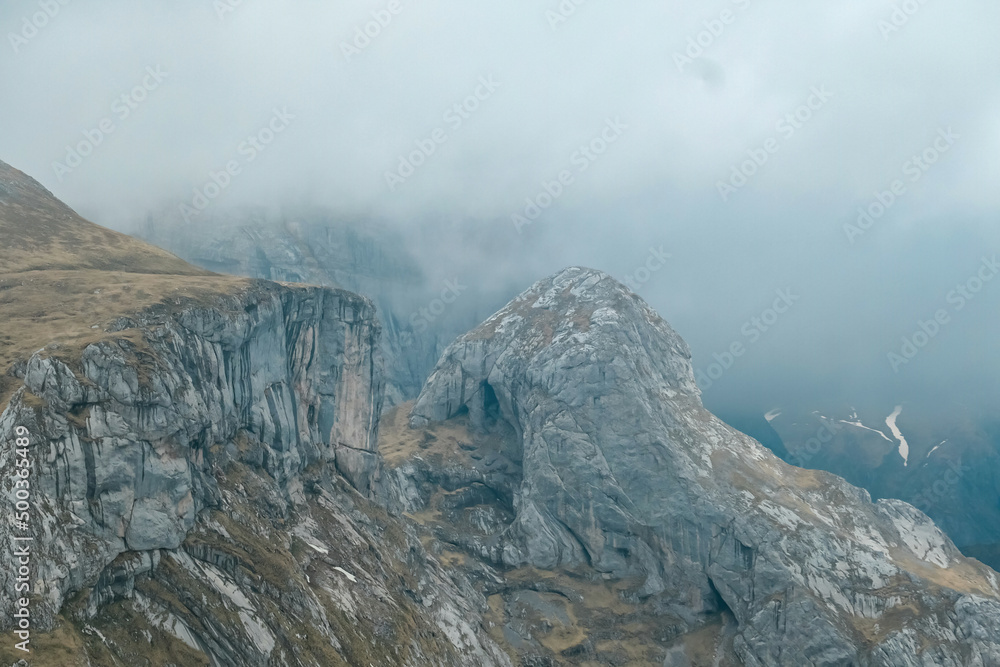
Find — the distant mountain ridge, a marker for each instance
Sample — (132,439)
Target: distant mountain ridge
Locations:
(951,469)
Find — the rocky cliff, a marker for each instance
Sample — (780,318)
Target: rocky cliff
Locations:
(958,486)
(212,482)
(201,454)
(129,434)
(604,459)
(313,246)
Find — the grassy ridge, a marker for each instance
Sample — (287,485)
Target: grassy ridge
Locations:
(38,233)
(63,279)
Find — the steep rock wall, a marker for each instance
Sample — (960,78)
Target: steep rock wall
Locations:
(127,434)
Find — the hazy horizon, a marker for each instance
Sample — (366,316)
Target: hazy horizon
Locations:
(870,107)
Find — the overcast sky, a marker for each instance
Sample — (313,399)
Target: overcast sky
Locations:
(671,98)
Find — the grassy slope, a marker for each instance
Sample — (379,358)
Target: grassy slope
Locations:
(39,232)
(63,279)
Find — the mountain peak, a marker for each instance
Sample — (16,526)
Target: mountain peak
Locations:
(575,285)
(577,316)
(624,471)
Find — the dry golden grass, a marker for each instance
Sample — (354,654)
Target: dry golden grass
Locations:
(605,596)
(452,559)
(40,233)
(398,442)
(562,637)
(769,473)
(63,646)
(965,576)
(702,646)
(72,308)
(64,279)
(594,607)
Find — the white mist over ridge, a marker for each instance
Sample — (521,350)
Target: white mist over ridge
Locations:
(689,128)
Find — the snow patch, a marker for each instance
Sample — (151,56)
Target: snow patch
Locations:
(857,422)
(904,448)
(322,550)
(934,448)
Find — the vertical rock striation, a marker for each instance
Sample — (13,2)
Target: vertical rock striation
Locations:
(320,250)
(130,435)
(202,456)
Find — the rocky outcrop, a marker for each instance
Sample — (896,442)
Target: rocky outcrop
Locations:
(311,246)
(625,472)
(199,487)
(201,452)
(126,435)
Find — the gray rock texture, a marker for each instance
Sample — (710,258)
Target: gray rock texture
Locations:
(312,246)
(122,444)
(201,454)
(625,471)
(199,488)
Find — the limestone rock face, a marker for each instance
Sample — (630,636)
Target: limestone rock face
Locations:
(318,250)
(200,488)
(202,456)
(126,446)
(625,471)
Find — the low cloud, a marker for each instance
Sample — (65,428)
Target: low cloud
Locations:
(368,83)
